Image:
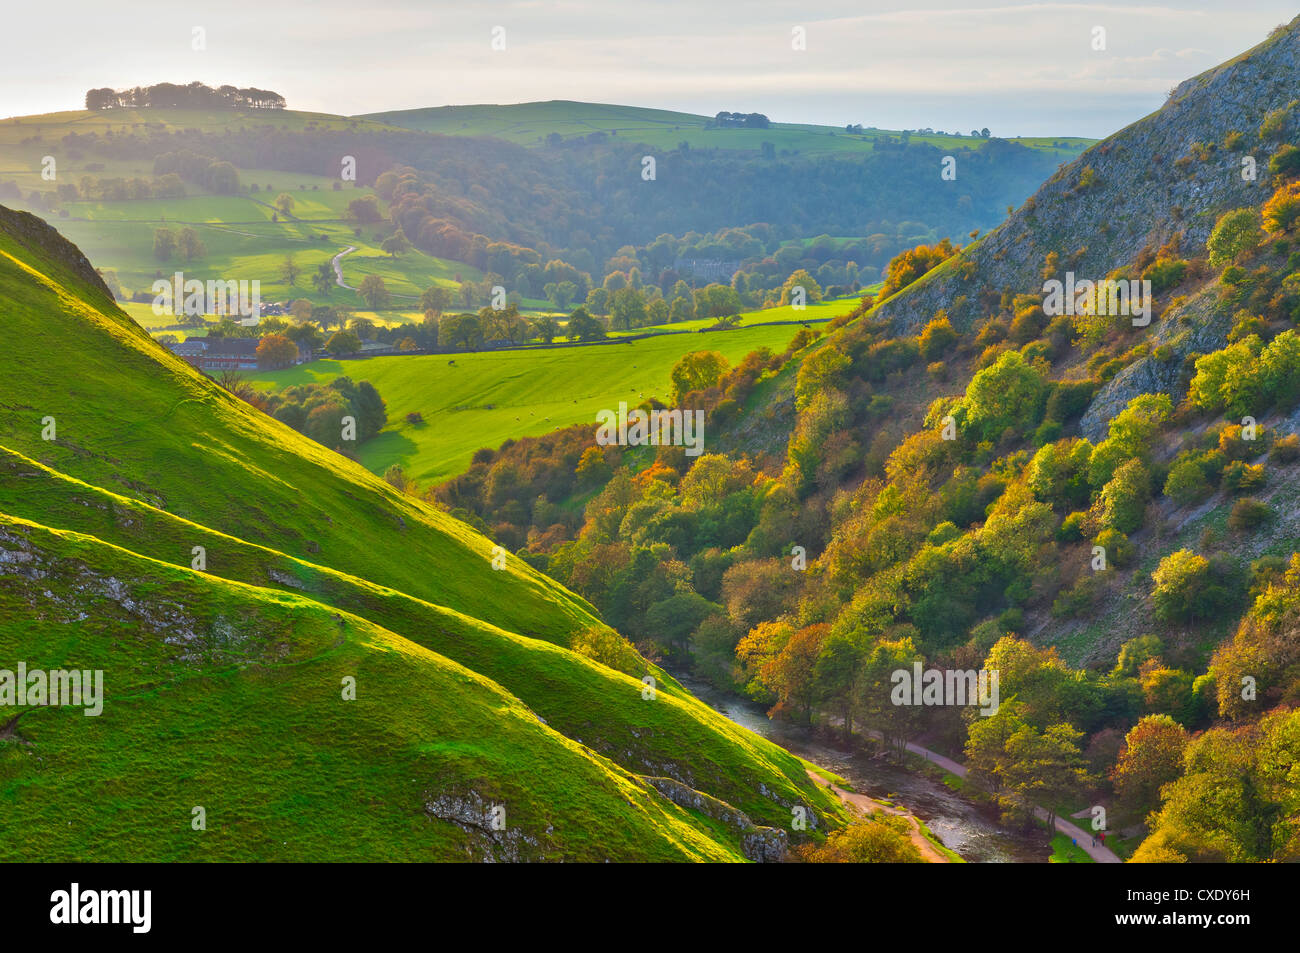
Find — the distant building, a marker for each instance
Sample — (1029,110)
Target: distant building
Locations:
(233,354)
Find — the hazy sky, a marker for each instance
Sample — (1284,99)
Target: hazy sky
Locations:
(1018,68)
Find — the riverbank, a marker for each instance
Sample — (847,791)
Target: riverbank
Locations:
(972,832)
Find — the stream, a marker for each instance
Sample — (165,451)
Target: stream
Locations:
(963,827)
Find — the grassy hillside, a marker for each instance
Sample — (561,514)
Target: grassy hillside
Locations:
(478,400)
(529,124)
(222,686)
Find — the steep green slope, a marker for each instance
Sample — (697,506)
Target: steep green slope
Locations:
(149,459)
(229,698)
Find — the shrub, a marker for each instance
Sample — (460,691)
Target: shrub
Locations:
(1189,587)
(1241,477)
(1186,483)
(1247,513)
(1072,528)
(1164,273)
(1285,162)
(937,338)
(1286,450)
(1235,232)
(1119,551)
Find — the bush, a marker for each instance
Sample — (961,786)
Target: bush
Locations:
(1286,450)
(1189,587)
(1234,233)
(1186,483)
(1071,530)
(1247,513)
(937,338)
(1240,477)
(1119,551)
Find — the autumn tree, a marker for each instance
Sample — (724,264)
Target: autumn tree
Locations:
(275,351)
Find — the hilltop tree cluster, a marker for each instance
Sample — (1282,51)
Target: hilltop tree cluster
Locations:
(190,96)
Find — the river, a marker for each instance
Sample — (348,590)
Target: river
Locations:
(963,827)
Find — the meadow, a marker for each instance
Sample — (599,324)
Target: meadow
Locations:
(482,399)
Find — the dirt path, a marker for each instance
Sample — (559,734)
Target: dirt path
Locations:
(871,806)
(337,262)
(1102,855)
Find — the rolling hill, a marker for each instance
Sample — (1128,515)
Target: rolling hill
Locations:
(476,687)
(530,124)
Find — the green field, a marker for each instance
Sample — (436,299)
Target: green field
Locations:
(242,241)
(528,124)
(222,681)
(484,399)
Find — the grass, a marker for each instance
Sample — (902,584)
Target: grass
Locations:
(478,400)
(1064,852)
(529,124)
(223,686)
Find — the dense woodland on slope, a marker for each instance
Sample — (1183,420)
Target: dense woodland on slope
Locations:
(1010,546)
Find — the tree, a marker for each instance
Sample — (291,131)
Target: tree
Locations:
(1236,800)
(581,326)
(275,351)
(364,210)
(560,293)
(880,839)
(698,370)
(164,243)
(1009,393)
(626,309)
(812,291)
(1123,499)
(1235,232)
(546,328)
(190,245)
(322,279)
(435,299)
(598,301)
(396,244)
(462,330)
(284,202)
(374,292)
(343,342)
(1185,588)
(290,270)
(1282,211)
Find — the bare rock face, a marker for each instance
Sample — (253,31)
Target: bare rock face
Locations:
(36,234)
(764,845)
(1199,326)
(1137,189)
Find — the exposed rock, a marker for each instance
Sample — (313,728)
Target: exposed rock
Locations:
(759,844)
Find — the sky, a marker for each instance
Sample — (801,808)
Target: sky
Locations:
(1016,68)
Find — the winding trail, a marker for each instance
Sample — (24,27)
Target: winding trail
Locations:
(337,262)
(1102,855)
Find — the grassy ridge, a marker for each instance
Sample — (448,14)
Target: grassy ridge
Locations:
(529,124)
(251,725)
